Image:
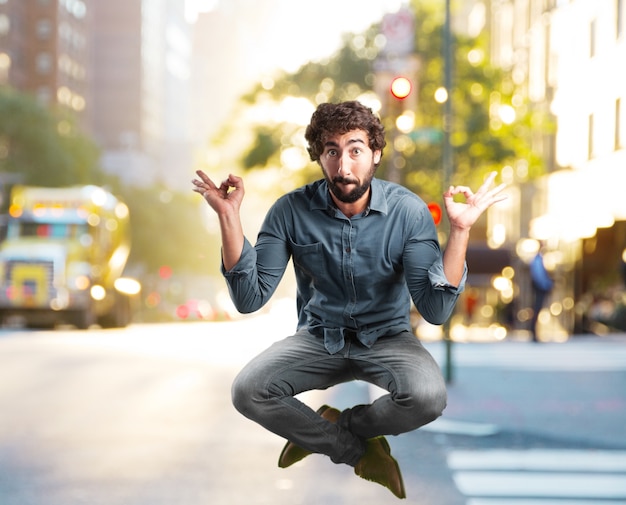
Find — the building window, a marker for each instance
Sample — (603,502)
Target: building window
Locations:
(5,24)
(590,132)
(44,29)
(592,38)
(5,66)
(618,124)
(77,8)
(549,5)
(43,63)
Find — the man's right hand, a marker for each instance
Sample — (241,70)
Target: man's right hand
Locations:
(223,199)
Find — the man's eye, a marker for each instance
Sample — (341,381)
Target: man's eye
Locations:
(332,152)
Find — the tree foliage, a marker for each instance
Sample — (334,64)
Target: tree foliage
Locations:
(481,140)
(167,230)
(43,147)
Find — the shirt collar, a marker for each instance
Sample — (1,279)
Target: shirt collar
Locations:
(322,201)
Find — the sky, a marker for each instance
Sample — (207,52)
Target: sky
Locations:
(258,37)
(315,26)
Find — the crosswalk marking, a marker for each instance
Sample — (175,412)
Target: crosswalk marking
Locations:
(541,485)
(551,501)
(539,476)
(453,427)
(540,460)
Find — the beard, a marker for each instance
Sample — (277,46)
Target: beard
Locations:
(355,193)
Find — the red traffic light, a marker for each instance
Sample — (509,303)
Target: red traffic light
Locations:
(165,272)
(435,211)
(401,87)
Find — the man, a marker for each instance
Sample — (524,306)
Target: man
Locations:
(542,285)
(361,249)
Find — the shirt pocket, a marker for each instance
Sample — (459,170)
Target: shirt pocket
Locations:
(309,258)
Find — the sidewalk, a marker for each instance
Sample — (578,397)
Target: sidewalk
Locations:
(575,390)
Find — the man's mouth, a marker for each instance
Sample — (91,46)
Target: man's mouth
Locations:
(345,182)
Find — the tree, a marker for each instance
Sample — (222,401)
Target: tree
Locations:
(45,147)
(165,228)
(482,140)
(492,121)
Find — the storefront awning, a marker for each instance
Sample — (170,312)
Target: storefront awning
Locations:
(484,262)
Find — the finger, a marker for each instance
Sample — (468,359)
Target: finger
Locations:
(202,175)
(488,181)
(497,189)
(495,194)
(206,179)
(225,186)
(456,190)
(202,191)
(490,178)
(235,182)
(499,197)
(207,183)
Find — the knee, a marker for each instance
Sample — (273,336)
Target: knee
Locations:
(433,405)
(242,395)
(425,405)
(251,390)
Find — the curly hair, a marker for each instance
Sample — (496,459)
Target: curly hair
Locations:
(332,119)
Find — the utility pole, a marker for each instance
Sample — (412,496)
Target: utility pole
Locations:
(447,155)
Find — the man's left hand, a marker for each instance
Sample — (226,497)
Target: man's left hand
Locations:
(463,215)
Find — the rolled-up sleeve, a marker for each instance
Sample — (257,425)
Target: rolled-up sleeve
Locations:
(253,280)
(439,281)
(431,292)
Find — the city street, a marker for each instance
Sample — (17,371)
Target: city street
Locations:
(142,416)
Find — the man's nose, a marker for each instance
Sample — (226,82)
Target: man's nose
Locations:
(345,165)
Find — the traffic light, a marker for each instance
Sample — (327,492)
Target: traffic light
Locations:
(401,87)
(435,211)
(165,272)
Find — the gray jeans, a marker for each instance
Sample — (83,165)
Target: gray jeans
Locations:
(264,391)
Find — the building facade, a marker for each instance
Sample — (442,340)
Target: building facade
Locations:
(141,78)
(45,49)
(566,57)
(122,66)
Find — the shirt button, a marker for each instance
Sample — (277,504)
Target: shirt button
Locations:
(348,249)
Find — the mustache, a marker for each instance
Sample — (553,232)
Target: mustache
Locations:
(344,180)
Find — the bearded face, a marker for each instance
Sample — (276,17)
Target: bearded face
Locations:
(349,165)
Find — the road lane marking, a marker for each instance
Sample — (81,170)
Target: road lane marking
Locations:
(543,485)
(539,460)
(452,427)
(539,476)
(551,501)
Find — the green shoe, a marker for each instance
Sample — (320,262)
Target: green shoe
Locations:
(378,465)
(293,453)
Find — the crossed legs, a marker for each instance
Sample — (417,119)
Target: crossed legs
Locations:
(264,391)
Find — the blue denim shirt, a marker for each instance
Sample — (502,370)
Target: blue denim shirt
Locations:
(355,275)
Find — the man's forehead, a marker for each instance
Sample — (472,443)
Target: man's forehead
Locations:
(351,137)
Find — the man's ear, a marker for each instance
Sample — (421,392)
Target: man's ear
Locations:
(377,155)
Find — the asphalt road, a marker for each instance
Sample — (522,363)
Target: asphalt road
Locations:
(142,416)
